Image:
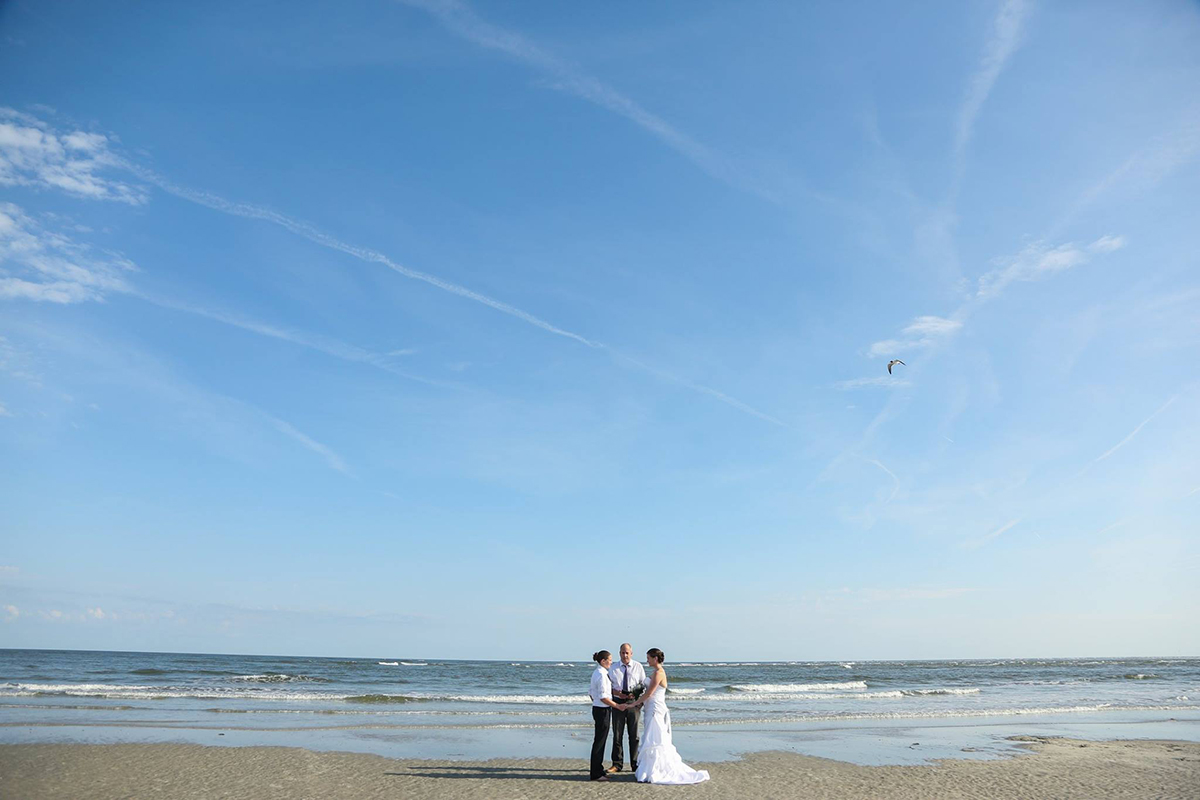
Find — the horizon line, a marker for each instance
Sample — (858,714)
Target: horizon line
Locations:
(770,661)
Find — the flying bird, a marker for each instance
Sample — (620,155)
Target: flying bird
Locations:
(893,363)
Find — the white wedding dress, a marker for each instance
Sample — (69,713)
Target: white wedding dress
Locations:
(658,760)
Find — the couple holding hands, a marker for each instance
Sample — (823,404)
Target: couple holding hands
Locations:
(619,692)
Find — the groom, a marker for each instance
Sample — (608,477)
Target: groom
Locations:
(626,676)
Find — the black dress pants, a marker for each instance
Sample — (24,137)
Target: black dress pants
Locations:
(622,720)
(602,716)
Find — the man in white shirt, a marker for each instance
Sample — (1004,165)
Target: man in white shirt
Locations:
(626,677)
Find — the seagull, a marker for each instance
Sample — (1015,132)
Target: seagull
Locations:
(893,363)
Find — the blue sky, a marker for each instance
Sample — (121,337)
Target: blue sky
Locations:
(519,330)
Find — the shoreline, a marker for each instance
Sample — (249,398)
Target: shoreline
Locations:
(862,742)
(1046,766)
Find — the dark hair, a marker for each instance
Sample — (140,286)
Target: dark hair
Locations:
(603,654)
(656,654)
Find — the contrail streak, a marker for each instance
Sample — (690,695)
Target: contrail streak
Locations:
(1132,434)
(333,459)
(461,20)
(362,253)
(696,387)
(313,234)
(1006,32)
(981,541)
(896,481)
(330,347)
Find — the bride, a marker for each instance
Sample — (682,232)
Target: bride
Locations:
(658,760)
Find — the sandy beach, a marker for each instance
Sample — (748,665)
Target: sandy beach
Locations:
(1052,768)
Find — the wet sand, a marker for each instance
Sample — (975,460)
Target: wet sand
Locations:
(1052,768)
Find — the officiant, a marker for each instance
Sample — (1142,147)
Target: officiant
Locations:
(628,680)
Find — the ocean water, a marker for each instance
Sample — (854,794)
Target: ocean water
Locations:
(406,705)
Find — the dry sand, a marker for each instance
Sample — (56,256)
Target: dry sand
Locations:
(1054,768)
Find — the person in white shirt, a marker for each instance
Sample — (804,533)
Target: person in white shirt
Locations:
(602,708)
(626,678)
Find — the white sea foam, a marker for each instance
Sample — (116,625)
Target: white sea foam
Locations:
(790,688)
(413,664)
(121,692)
(537,699)
(673,690)
(957,713)
(389,663)
(767,697)
(364,711)
(736,664)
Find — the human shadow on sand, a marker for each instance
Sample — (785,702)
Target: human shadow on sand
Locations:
(492,773)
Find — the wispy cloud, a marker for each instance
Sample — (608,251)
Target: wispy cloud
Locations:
(922,332)
(46,266)
(4,412)
(1038,261)
(17,363)
(881,381)
(32,154)
(932,326)
(41,265)
(74,606)
(916,593)
(1002,42)
(91,614)
(1145,168)
(1107,244)
(1151,163)
(460,19)
(333,459)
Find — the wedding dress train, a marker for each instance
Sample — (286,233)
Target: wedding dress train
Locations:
(658,760)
